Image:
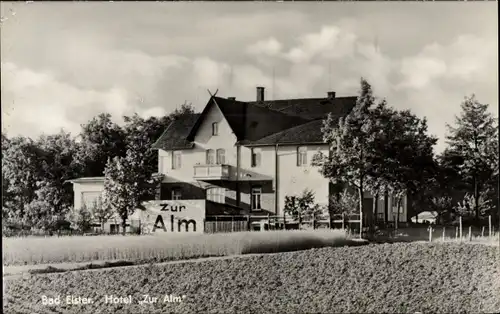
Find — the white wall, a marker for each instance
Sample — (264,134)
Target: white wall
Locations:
(204,140)
(79,188)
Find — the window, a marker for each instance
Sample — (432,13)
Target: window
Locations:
(256,157)
(256,198)
(221,156)
(176,194)
(210,157)
(89,199)
(302,156)
(215,128)
(176,160)
(217,195)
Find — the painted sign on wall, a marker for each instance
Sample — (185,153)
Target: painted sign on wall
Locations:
(172,216)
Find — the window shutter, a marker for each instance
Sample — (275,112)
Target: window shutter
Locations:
(257,159)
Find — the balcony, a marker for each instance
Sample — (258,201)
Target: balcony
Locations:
(211,172)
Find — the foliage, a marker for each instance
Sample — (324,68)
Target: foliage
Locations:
(350,141)
(21,170)
(302,205)
(344,203)
(80,218)
(472,150)
(101,139)
(141,134)
(466,208)
(101,211)
(377,149)
(126,184)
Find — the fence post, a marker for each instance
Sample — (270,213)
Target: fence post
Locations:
(248,222)
(460,226)
(430,233)
(456,232)
(489,226)
(314,221)
(444,233)
(268,222)
(204,225)
(343,219)
(215,229)
(482,232)
(470,233)
(232,223)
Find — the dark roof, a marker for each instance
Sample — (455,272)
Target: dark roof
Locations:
(175,135)
(311,108)
(291,121)
(309,132)
(249,122)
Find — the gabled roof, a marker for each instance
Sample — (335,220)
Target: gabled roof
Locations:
(248,121)
(309,132)
(175,135)
(294,121)
(311,108)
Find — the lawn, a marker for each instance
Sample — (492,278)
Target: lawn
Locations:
(158,248)
(389,278)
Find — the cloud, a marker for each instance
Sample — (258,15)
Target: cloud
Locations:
(209,73)
(468,58)
(270,47)
(74,69)
(330,43)
(37,102)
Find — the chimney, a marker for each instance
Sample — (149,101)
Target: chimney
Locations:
(331,95)
(231,98)
(260,93)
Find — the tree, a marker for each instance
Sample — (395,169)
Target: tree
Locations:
(21,170)
(302,206)
(467,207)
(80,218)
(142,133)
(346,203)
(350,143)
(101,211)
(126,184)
(58,164)
(473,143)
(408,160)
(101,139)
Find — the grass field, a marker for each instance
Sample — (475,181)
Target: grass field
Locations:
(158,248)
(389,278)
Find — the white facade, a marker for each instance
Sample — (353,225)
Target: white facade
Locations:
(212,164)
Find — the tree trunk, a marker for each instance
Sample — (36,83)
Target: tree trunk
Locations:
(375,207)
(124,225)
(361,211)
(476,200)
(386,206)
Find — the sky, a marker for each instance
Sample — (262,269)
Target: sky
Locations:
(63,63)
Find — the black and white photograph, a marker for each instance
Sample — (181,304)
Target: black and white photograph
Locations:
(250,157)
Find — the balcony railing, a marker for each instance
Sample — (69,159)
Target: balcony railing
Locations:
(211,172)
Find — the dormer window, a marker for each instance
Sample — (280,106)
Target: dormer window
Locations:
(215,128)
